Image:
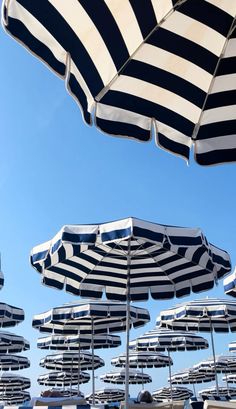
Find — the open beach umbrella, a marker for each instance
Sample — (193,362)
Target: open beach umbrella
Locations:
(14,398)
(107,395)
(177,393)
(230,284)
(230,378)
(192,376)
(128,260)
(76,342)
(90,318)
(212,393)
(1,276)
(232,346)
(62,393)
(63,379)
(13,362)
(142,69)
(10,315)
(118,377)
(13,383)
(11,343)
(70,362)
(205,315)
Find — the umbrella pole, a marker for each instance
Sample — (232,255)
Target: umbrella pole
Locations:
(214,357)
(127,329)
(93,377)
(171,391)
(79,371)
(227,383)
(194,390)
(142,377)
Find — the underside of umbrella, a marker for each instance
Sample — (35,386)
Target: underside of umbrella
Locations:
(118,377)
(176,393)
(168,68)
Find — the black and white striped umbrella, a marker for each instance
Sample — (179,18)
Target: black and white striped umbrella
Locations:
(212,393)
(139,359)
(230,378)
(168,67)
(107,395)
(222,364)
(232,346)
(128,259)
(70,362)
(177,393)
(11,343)
(13,362)
(191,376)
(10,315)
(118,377)
(230,284)
(14,398)
(13,383)
(62,378)
(76,342)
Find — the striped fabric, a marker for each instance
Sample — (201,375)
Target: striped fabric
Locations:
(191,376)
(80,318)
(178,393)
(70,362)
(142,66)
(118,377)
(107,396)
(162,340)
(232,346)
(142,360)
(13,383)
(62,378)
(200,315)
(10,316)
(76,342)
(13,362)
(62,393)
(230,283)
(211,393)
(166,261)
(229,378)
(16,398)
(11,343)
(224,364)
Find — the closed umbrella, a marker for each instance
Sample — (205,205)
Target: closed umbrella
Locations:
(63,379)
(118,377)
(161,70)
(205,315)
(128,259)
(76,342)
(177,393)
(107,395)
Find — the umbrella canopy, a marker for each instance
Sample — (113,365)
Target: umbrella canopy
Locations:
(62,378)
(177,393)
(76,342)
(230,378)
(10,316)
(142,360)
(118,377)
(164,339)
(13,362)
(192,376)
(128,258)
(211,393)
(11,343)
(13,383)
(230,284)
(80,317)
(70,362)
(180,54)
(232,346)
(16,398)
(107,395)
(222,364)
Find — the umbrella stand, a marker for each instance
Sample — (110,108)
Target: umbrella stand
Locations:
(171,391)
(127,329)
(93,377)
(214,356)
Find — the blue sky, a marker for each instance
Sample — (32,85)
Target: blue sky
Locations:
(55,170)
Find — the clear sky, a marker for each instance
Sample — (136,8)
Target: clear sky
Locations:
(55,170)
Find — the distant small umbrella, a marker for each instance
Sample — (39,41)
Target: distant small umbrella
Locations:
(13,383)
(138,359)
(107,396)
(10,315)
(76,342)
(212,393)
(232,346)
(230,284)
(13,362)
(177,393)
(17,398)
(118,377)
(11,343)
(70,362)
(62,379)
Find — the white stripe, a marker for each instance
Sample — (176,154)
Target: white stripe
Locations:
(224,83)
(157,95)
(86,31)
(223,113)
(231,48)
(195,31)
(174,64)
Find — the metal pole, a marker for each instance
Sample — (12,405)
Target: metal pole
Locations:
(93,377)
(194,390)
(214,356)
(142,377)
(127,329)
(171,391)
(79,371)
(227,383)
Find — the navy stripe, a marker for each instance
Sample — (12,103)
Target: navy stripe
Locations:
(145,15)
(208,14)
(116,234)
(123,129)
(172,146)
(100,13)
(221,99)
(184,48)
(217,129)
(226,66)
(166,80)
(216,156)
(55,24)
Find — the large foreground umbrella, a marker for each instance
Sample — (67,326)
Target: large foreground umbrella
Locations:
(205,315)
(63,378)
(138,67)
(128,259)
(177,393)
(76,342)
(107,395)
(70,362)
(119,377)
(11,343)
